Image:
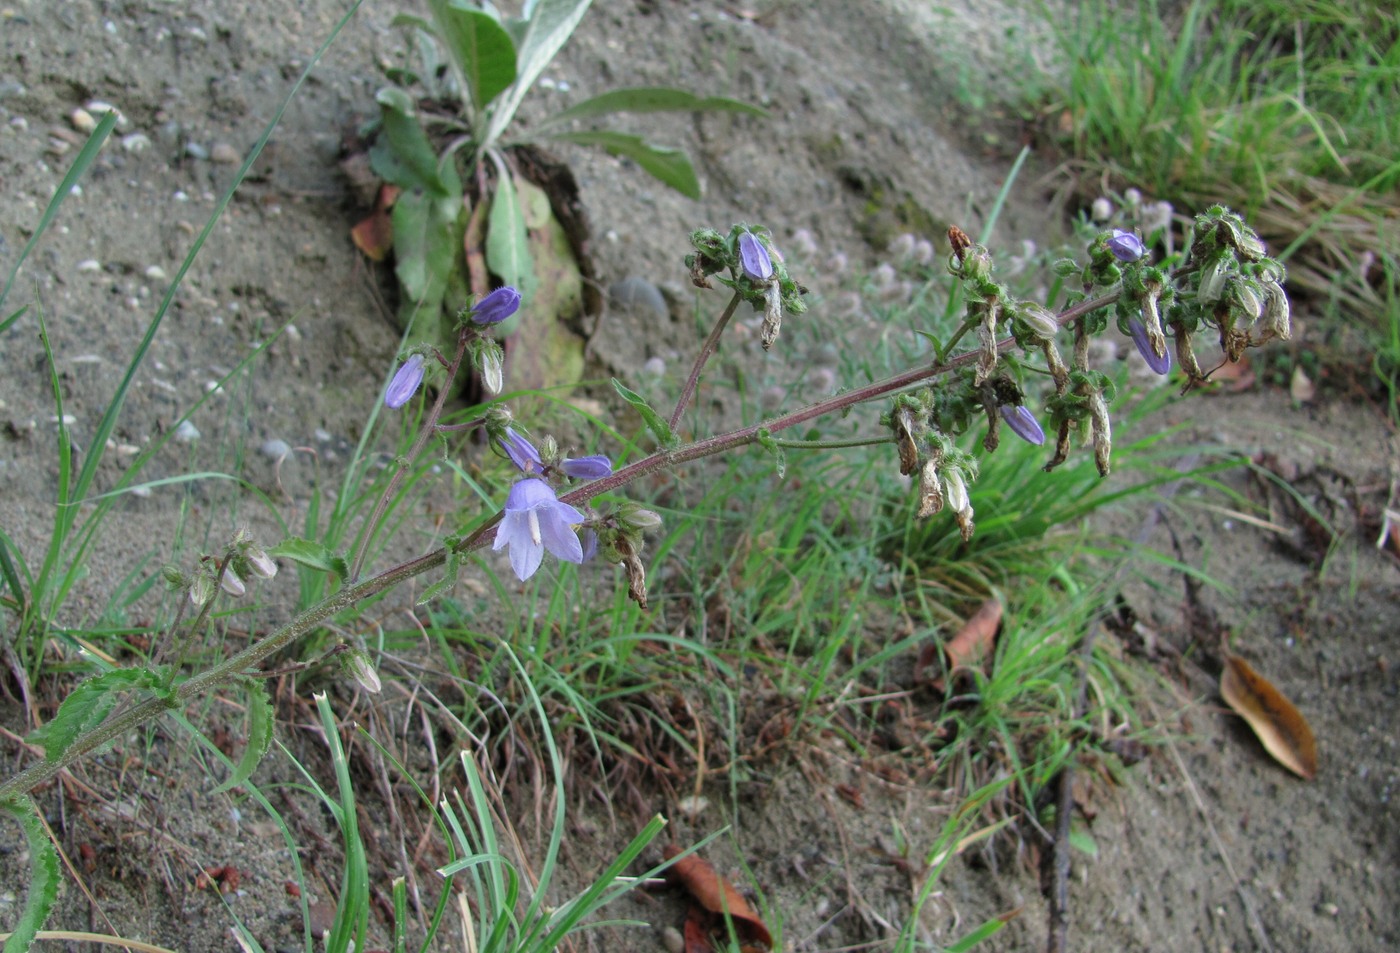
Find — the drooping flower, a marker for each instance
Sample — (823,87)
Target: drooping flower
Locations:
(753,257)
(496,306)
(522,452)
(588,468)
(260,564)
(1160,363)
(405,383)
(231,584)
(1126,246)
(1023,423)
(536,521)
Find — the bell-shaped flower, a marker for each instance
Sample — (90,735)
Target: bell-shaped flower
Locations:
(1125,246)
(1160,363)
(522,452)
(405,383)
(588,468)
(1023,423)
(496,306)
(536,521)
(753,258)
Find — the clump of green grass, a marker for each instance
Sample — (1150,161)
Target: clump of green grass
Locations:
(1275,109)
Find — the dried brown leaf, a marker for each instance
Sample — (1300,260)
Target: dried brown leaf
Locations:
(716,895)
(374,235)
(1281,728)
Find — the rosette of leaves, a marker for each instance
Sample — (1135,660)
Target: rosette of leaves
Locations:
(463,208)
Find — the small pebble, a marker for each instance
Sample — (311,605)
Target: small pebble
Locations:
(155,273)
(195,151)
(20,123)
(322,435)
(89,264)
(639,296)
(673,941)
(655,366)
(136,142)
(275,449)
(82,120)
(68,420)
(225,154)
(143,491)
(186,432)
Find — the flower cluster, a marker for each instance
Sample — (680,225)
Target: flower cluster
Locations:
(485,354)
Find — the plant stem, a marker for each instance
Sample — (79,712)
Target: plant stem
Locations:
(147,709)
(706,351)
(428,430)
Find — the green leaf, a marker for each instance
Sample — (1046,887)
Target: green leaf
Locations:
(1082,841)
(985,931)
(650,99)
(481,49)
(671,166)
(549,25)
(424,250)
(654,421)
(507,245)
(43,875)
(403,155)
(311,555)
(87,706)
(260,720)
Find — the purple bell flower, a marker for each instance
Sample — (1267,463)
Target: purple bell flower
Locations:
(1023,423)
(522,452)
(1126,246)
(1159,364)
(534,521)
(405,383)
(753,257)
(588,468)
(496,306)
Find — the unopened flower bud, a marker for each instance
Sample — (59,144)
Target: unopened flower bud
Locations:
(201,588)
(1244,295)
(1023,423)
(260,563)
(492,368)
(231,584)
(588,468)
(496,306)
(1125,246)
(754,258)
(956,489)
(405,383)
(1040,320)
(639,518)
(1212,284)
(358,666)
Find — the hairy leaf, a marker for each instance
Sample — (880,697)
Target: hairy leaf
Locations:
(87,706)
(1283,730)
(507,245)
(424,244)
(404,156)
(654,421)
(648,99)
(481,49)
(260,721)
(671,166)
(43,875)
(310,554)
(548,26)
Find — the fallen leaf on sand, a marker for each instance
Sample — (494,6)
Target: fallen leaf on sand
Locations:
(374,235)
(716,896)
(972,643)
(1282,729)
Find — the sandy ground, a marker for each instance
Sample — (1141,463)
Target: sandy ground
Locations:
(1208,845)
